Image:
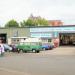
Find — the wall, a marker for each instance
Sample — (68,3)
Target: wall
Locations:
(17,32)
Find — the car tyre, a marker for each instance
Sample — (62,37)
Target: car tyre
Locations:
(37,51)
(25,51)
(34,51)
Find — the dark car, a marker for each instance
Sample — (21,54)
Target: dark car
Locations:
(14,48)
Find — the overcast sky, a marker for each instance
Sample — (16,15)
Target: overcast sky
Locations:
(50,9)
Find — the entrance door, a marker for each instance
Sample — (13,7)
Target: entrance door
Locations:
(67,38)
(3,37)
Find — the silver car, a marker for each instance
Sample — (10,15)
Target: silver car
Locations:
(7,47)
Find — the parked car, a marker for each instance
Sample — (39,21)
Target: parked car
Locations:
(29,47)
(47,46)
(14,48)
(7,47)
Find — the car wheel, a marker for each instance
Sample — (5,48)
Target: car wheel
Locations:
(25,51)
(37,51)
(34,51)
(18,50)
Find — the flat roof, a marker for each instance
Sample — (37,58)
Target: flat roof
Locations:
(37,26)
(53,26)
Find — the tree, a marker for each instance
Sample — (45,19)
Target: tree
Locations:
(29,22)
(34,22)
(12,23)
(42,22)
(23,24)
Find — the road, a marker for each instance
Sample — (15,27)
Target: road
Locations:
(59,61)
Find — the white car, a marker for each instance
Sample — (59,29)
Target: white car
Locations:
(7,47)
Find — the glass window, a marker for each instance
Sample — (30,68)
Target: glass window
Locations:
(49,40)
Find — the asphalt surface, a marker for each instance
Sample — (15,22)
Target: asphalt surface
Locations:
(59,61)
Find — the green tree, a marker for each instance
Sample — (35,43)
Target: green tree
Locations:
(30,22)
(42,22)
(34,22)
(12,23)
(23,24)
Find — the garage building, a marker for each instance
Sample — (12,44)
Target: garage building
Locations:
(64,35)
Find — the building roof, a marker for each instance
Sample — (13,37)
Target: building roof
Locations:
(37,26)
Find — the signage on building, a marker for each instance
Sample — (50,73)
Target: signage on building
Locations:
(56,34)
(50,32)
(53,29)
(41,35)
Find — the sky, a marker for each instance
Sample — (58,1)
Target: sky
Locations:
(20,10)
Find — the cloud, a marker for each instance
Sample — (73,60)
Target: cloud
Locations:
(49,9)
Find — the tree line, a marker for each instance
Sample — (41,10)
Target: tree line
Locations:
(29,22)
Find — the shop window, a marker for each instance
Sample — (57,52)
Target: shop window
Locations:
(49,40)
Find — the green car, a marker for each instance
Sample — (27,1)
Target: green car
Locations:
(29,47)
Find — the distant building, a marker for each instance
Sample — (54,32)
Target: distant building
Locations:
(55,23)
